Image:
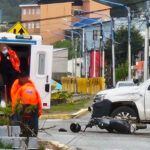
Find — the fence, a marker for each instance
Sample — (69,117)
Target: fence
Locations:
(83,85)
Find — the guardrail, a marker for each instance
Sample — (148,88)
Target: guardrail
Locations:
(83,85)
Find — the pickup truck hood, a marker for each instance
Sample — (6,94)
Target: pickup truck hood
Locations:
(121,94)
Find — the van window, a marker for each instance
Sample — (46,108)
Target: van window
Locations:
(41,65)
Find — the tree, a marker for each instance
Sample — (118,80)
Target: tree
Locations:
(10,9)
(122,72)
(121,45)
(66,43)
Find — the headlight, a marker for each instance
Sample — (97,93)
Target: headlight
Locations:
(99,98)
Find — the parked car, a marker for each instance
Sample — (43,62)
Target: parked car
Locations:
(129,102)
(124,84)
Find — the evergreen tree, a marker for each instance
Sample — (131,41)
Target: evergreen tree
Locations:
(121,45)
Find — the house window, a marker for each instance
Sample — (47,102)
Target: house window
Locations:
(96,34)
(33,11)
(29,11)
(38,25)
(29,25)
(24,11)
(77,12)
(32,25)
(41,65)
(38,11)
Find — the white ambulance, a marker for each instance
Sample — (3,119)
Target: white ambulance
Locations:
(34,57)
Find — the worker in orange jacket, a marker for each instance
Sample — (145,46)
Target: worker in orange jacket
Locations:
(9,66)
(23,91)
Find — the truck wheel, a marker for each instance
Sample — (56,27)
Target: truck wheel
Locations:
(125,112)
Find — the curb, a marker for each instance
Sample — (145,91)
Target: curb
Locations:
(79,113)
(65,116)
(60,146)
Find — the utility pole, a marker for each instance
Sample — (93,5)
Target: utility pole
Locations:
(103,54)
(113,52)
(129,42)
(83,50)
(72,46)
(94,53)
(76,46)
(113,43)
(146,50)
(86,59)
(100,50)
(129,32)
(102,42)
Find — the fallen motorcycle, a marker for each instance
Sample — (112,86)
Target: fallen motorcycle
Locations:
(110,124)
(99,117)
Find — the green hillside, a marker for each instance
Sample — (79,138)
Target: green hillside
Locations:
(10,9)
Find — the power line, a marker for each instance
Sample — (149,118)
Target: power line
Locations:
(51,18)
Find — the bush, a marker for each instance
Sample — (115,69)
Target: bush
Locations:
(8,146)
(6,110)
(60,97)
(4,120)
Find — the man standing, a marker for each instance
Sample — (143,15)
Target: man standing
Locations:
(23,92)
(9,66)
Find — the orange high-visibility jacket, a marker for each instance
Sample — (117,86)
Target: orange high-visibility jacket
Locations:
(16,86)
(27,94)
(14,60)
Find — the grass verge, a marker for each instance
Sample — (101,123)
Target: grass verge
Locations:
(69,107)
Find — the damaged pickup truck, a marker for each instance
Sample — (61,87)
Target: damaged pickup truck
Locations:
(126,103)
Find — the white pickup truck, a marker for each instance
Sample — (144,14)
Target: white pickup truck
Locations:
(128,102)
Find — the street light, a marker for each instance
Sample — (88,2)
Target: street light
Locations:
(103,66)
(83,24)
(129,32)
(113,41)
(146,51)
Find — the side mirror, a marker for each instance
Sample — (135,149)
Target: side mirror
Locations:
(149,88)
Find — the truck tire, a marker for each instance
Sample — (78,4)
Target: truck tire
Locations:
(125,112)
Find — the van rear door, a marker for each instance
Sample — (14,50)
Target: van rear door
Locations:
(41,70)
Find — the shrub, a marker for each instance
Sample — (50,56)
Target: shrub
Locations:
(6,110)
(4,120)
(8,146)
(61,95)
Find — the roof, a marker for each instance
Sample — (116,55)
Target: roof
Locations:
(39,2)
(75,2)
(85,22)
(53,1)
(28,5)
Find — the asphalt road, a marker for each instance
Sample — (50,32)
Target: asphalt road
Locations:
(95,138)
